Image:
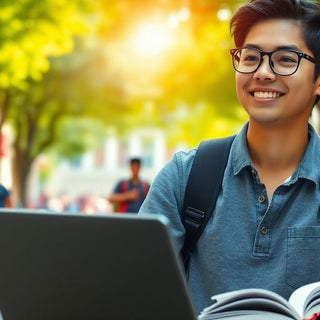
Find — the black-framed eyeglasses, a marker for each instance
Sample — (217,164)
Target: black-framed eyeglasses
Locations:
(284,62)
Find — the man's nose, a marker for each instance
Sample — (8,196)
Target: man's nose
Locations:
(265,71)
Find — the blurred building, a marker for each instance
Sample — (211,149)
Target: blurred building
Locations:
(96,173)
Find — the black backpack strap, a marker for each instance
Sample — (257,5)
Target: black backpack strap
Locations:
(203,187)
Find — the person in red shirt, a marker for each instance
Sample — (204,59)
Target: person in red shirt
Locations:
(128,195)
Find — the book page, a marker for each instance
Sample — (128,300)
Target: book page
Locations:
(255,301)
(312,309)
(256,305)
(244,315)
(300,297)
(226,298)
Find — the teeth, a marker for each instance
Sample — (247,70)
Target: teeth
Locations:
(262,94)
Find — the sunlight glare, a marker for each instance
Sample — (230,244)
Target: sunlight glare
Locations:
(151,39)
(224,14)
(184,14)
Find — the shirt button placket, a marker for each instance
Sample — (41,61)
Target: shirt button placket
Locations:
(261,198)
(264,230)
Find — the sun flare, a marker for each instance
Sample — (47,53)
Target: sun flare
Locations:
(151,39)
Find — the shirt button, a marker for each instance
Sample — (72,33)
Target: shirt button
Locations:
(261,199)
(264,230)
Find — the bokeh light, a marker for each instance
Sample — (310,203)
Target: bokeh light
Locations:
(151,38)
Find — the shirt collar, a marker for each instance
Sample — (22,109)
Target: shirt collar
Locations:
(309,167)
(240,157)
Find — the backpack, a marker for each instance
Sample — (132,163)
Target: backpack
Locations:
(203,186)
(123,206)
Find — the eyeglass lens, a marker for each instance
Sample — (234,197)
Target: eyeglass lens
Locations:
(283,62)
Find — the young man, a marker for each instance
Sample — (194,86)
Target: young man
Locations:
(265,228)
(128,195)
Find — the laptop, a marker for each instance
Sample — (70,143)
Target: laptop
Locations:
(65,266)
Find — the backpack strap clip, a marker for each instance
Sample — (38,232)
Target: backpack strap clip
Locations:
(194,218)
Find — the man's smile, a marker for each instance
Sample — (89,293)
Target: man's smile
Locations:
(265,93)
(261,94)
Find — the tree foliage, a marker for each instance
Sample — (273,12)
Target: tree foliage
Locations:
(31,31)
(69,71)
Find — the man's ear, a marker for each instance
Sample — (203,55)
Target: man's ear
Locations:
(318,86)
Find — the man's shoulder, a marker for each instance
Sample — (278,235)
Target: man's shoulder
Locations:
(185,157)
(121,182)
(121,185)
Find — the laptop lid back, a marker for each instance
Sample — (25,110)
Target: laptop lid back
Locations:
(60,266)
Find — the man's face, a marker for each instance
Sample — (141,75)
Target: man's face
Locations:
(135,168)
(292,96)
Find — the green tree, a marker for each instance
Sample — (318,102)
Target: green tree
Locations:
(31,33)
(55,113)
(187,90)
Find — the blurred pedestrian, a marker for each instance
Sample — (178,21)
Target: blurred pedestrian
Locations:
(5,197)
(128,195)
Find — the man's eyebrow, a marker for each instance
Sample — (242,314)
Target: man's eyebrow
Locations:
(285,47)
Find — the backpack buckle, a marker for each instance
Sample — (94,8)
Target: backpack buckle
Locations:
(194,217)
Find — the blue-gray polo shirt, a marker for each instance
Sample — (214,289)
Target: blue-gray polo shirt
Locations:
(249,241)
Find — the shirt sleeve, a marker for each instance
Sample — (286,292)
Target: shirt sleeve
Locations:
(166,193)
(117,188)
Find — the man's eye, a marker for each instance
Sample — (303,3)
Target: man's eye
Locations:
(285,59)
(250,58)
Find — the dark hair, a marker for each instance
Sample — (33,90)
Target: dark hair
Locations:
(306,12)
(135,160)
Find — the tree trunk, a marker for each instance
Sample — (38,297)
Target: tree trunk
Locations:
(21,165)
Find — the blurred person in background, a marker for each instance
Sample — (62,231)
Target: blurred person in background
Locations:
(5,198)
(128,195)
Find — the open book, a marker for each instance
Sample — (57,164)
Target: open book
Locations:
(260,304)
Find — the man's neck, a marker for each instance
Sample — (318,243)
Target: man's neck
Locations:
(276,151)
(135,180)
